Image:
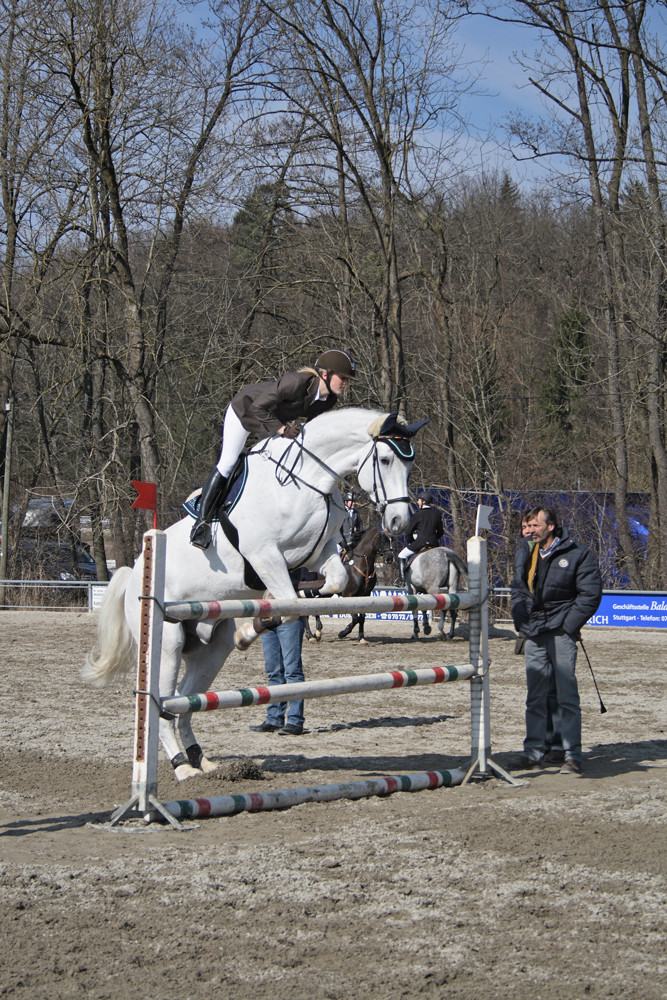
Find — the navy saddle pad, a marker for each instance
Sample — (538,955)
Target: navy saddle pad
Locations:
(238,480)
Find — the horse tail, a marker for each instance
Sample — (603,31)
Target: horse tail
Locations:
(455,567)
(461,564)
(115,650)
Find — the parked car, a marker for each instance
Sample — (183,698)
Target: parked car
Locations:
(48,560)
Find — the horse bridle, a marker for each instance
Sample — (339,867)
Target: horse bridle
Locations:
(380,504)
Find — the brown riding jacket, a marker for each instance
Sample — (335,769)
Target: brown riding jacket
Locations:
(263,408)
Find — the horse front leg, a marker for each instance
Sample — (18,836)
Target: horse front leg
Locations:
(273,570)
(332,569)
(415,625)
(362,639)
(348,628)
(426,623)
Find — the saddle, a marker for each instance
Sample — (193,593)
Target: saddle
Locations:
(237,482)
(424,548)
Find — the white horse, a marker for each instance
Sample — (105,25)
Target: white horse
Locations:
(288,515)
(435,571)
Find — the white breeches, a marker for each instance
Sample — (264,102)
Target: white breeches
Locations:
(234,437)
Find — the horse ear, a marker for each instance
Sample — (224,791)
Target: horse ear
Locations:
(393,424)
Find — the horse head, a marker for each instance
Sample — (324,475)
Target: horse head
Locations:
(384,471)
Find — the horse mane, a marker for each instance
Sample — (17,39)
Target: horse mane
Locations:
(375,417)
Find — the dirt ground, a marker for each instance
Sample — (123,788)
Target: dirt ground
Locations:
(554,890)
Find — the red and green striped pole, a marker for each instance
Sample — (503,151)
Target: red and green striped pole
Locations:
(229,805)
(286,607)
(265,695)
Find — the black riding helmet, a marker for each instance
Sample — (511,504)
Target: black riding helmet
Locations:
(336,362)
(425,496)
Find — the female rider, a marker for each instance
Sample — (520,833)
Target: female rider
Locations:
(265,409)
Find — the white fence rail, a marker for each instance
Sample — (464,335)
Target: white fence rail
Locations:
(52,595)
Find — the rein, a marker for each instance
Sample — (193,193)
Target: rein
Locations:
(380,503)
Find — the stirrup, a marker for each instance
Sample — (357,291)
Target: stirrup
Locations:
(201,535)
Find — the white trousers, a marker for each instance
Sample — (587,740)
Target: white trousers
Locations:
(234,437)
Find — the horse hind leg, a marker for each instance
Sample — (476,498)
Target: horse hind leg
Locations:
(203,664)
(363,641)
(415,625)
(426,623)
(453,615)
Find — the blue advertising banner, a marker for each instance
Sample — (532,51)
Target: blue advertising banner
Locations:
(628,609)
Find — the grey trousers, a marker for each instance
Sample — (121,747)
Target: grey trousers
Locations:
(560,650)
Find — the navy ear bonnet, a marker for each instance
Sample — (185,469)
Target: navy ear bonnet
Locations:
(397,434)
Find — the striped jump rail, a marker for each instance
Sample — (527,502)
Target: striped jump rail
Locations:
(265,695)
(229,805)
(285,607)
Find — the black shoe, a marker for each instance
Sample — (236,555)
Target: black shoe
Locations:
(290,730)
(265,727)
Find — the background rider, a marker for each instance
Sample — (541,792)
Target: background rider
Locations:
(424,530)
(352,528)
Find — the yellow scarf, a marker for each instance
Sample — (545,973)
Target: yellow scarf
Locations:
(532,568)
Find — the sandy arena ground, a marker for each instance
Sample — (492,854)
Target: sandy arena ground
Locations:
(554,890)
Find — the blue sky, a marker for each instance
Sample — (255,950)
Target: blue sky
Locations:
(503,89)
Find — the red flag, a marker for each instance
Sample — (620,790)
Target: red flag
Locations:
(147,499)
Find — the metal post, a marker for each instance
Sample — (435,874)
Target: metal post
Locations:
(9,409)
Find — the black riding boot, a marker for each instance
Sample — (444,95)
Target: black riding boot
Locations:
(211,494)
(401,572)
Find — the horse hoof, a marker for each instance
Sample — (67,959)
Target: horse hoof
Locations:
(427,629)
(415,635)
(344,634)
(318,635)
(363,642)
(313,638)
(208,765)
(184,771)
(244,636)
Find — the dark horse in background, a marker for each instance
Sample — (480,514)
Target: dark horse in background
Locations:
(435,571)
(360,565)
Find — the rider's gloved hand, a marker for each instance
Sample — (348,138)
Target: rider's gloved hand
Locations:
(291,431)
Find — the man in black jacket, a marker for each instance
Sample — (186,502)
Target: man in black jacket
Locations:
(352,528)
(424,531)
(555,590)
